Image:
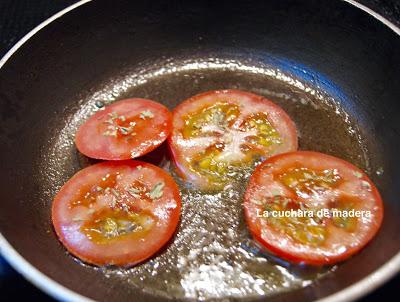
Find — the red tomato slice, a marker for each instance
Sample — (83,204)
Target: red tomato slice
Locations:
(117,213)
(218,133)
(125,129)
(311,181)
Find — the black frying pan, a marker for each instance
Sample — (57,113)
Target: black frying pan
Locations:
(332,66)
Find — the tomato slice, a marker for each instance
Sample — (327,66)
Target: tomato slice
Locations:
(125,129)
(217,133)
(322,187)
(116,213)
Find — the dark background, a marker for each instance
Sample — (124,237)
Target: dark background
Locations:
(18,17)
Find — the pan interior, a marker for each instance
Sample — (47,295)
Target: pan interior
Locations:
(212,255)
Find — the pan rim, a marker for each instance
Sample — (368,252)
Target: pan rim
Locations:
(46,284)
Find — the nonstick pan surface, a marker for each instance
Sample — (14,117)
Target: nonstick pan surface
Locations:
(330,65)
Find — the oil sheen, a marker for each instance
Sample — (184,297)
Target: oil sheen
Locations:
(212,255)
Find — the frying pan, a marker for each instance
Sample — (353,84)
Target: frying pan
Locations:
(333,65)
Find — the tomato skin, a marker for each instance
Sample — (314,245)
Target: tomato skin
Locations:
(148,133)
(340,245)
(131,249)
(250,103)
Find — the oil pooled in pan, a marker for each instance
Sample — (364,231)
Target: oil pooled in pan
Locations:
(212,255)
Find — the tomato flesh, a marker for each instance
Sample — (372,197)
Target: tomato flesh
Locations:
(217,133)
(305,182)
(116,213)
(329,193)
(305,229)
(117,224)
(125,129)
